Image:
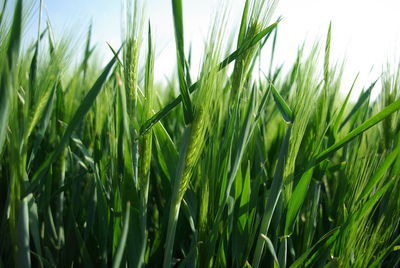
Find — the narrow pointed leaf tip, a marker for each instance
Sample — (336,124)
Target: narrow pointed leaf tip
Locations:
(76,120)
(283,107)
(180,53)
(236,54)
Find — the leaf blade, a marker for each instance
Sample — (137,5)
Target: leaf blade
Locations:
(387,111)
(237,53)
(77,118)
(179,40)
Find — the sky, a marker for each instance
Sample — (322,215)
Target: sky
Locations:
(365,33)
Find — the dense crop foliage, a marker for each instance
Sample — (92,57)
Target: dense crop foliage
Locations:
(228,169)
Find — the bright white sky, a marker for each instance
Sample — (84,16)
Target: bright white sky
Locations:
(365,32)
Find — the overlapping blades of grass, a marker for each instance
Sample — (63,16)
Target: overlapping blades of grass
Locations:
(387,111)
(273,197)
(180,50)
(237,53)
(75,121)
(7,65)
(253,189)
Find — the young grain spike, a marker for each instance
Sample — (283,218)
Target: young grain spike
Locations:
(204,102)
(146,144)
(131,52)
(145,157)
(255,18)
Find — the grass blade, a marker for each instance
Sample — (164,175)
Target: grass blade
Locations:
(325,241)
(240,145)
(243,24)
(24,259)
(343,108)
(176,201)
(240,51)
(15,35)
(327,55)
(296,200)
(2,12)
(387,111)
(271,248)
(273,197)
(42,126)
(122,242)
(283,107)
(7,65)
(380,173)
(364,97)
(368,206)
(248,44)
(179,39)
(82,110)
(5,100)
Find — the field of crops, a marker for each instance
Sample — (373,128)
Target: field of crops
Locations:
(101,166)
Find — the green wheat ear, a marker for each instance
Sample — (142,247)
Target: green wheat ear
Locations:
(191,151)
(205,101)
(133,39)
(272,171)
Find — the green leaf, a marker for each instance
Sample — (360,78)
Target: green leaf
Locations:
(244,200)
(50,38)
(361,100)
(15,36)
(88,51)
(240,51)
(34,228)
(5,102)
(43,123)
(126,147)
(368,206)
(273,49)
(3,9)
(396,166)
(271,248)
(33,69)
(115,54)
(243,24)
(235,158)
(240,143)
(175,202)
(149,77)
(387,111)
(163,112)
(7,65)
(324,242)
(343,108)
(283,107)
(263,102)
(327,55)
(282,255)
(38,114)
(24,259)
(273,197)
(179,40)
(380,173)
(386,252)
(76,120)
(122,241)
(167,154)
(296,200)
(248,44)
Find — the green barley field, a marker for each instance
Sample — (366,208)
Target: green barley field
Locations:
(233,167)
